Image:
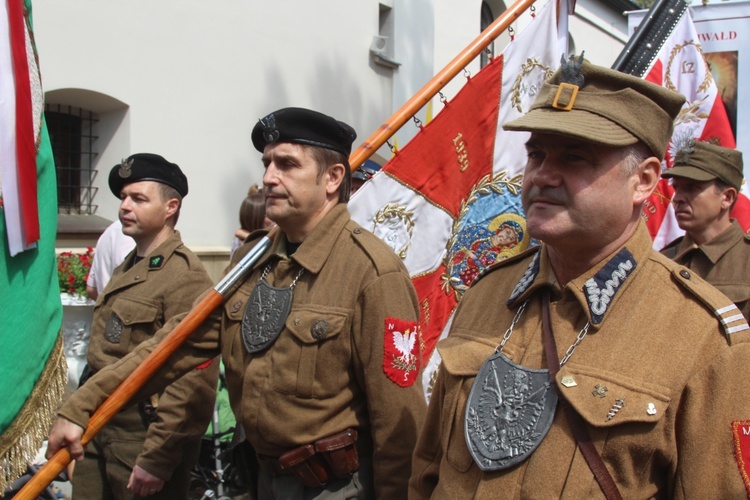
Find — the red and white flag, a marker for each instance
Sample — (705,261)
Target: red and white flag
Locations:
(20,122)
(449,202)
(681,67)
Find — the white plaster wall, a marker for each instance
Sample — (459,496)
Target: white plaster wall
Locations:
(195,75)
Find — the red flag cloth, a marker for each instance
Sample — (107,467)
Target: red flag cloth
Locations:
(449,203)
(681,67)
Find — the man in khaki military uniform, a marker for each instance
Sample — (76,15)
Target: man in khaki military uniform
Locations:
(707,179)
(320,343)
(646,360)
(149,447)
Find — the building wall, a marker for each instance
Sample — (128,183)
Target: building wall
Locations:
(188,79)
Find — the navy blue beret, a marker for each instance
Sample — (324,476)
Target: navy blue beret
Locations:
(303,126)
(147,167)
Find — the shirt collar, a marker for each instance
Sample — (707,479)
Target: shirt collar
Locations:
(714,249)
(314,251)
(598,288)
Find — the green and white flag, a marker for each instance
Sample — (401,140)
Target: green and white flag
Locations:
(32,362)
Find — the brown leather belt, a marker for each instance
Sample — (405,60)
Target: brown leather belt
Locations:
(317,464)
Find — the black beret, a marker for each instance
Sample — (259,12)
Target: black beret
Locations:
(147,167)
(303,126)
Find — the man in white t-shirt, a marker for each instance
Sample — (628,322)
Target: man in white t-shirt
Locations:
(111,249)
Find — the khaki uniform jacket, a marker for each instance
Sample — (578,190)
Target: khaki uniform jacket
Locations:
(654,341)
(134,305)
(724,262)
(306,386)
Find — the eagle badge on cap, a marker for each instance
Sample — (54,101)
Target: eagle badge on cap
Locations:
(571,81)
(270,132)
(125,168)
(683,155)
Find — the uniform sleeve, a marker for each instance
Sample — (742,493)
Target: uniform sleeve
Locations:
(201,346)
(712,425)
(185,409)
(428,452)
(396,413)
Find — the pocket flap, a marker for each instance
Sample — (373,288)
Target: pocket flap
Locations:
(606,399)
(463,356)
(312,325)
(131,311)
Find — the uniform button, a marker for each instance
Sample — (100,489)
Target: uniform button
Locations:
(685,274)
(297,321)
(137,278)
(236,306)
(651,409)
(357,230)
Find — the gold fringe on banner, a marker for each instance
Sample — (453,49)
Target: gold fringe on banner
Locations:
(21,441)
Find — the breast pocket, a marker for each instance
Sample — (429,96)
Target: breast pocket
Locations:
(462,358)
(312,356)
(622,411)
(131,322)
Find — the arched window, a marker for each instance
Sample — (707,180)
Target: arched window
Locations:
(71,132)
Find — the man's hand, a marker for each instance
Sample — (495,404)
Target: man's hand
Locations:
(144,483)
(65,434)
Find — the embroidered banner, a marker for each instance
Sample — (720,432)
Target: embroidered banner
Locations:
(449,203)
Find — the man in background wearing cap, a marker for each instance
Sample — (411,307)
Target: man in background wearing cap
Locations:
(320,342)
(149,447)
(362,174)
(706,179)
(630,345)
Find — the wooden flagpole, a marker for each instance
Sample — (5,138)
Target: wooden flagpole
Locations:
(216,297)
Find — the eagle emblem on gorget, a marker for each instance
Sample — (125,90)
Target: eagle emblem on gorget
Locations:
(509,412)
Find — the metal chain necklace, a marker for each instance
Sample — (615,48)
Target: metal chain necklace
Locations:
(266,312)
(510,407)
(581,334)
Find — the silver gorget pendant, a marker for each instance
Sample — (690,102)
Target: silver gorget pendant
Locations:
(265,315)
(509,411)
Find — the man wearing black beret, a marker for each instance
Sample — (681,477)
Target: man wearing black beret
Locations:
(149,447)
(321,342)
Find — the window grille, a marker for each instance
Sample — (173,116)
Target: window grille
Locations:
(71,132)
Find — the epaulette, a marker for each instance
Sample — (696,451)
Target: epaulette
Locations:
(383,258)
(506,262)
(730,317)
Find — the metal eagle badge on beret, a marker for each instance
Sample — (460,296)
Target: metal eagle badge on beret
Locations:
(125,168)
(509,412)
(270,132)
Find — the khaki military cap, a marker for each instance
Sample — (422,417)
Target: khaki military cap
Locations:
(602,106)
(703,161)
